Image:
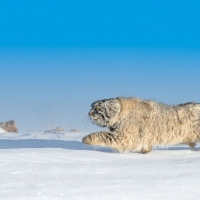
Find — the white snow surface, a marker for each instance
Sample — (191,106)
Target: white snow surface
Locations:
(2,131)
(59,166)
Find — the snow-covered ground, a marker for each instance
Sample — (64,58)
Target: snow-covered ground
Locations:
(2,131)
(58,166)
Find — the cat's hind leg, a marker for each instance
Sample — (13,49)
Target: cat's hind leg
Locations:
(192,145)
(145,150)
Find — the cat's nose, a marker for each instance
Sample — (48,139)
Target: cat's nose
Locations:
(90,113)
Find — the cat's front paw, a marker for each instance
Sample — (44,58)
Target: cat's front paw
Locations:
(87,140)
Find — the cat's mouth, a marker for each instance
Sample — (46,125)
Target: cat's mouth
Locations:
(98,119)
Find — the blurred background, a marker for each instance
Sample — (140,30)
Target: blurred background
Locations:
(57,57)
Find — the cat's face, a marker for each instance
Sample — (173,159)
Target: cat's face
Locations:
(105,112)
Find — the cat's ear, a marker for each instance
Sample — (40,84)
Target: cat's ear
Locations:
(112,101)
(115,105)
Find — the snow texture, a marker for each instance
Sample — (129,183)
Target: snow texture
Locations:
(2,131)
(59,166)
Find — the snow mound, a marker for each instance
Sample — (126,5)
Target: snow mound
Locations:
(2,131)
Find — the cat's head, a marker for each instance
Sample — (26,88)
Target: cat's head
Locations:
(105,112)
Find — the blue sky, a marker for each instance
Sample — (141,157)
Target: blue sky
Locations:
(57,57)
(100,23)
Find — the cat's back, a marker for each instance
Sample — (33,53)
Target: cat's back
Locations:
(189,105)
(189,109)
(136,103)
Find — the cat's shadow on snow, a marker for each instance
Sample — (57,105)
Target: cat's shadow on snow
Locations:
(71,145)
(42,143)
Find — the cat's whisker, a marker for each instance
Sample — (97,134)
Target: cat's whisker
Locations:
(86,125)
(85,118)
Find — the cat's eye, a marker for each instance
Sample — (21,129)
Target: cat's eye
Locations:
(96,108)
